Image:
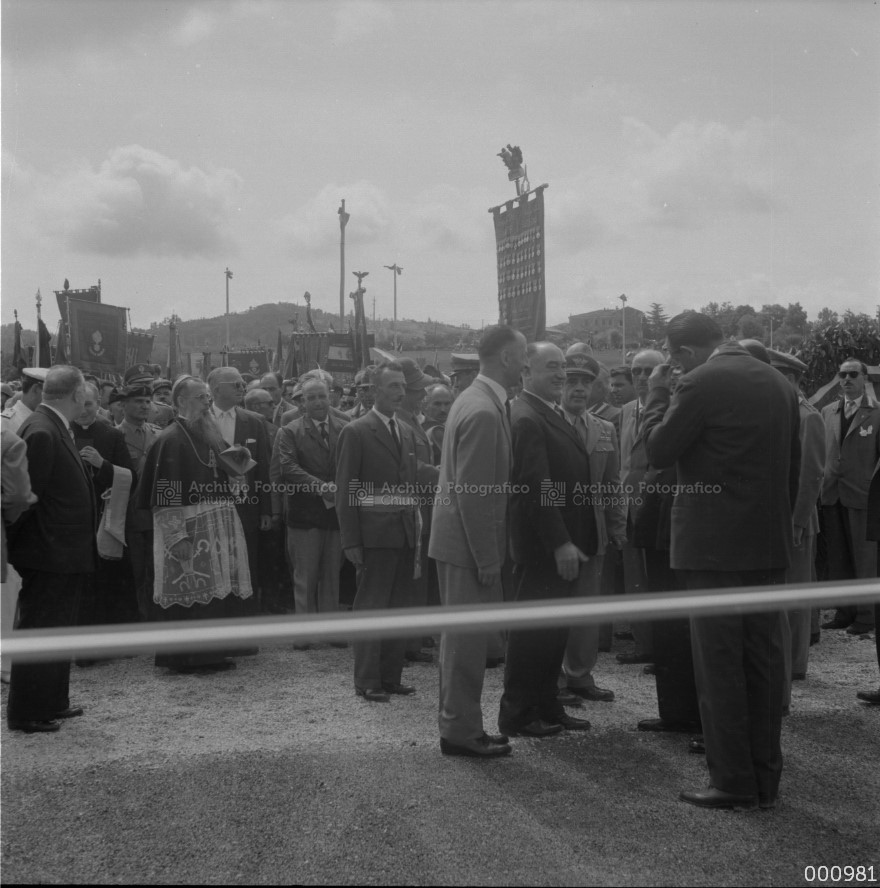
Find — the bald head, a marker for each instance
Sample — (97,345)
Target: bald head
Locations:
(544,374)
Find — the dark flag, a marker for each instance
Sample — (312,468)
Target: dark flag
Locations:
(97,337)
(61,345)
(45,338)
(19,361)
(291,370)
(278,363)
(173,351)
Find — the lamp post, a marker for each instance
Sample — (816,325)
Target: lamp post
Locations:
(395,270)
(228,278)
(622,299)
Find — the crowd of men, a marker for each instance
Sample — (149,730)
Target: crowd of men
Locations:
(530,475)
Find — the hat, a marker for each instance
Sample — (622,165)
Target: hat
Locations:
(590,369)
(6,389)
(464,363)
(782,361)
(158,384)
(38,373)
(579,363)
(413,376)
(756,349)
(137,373)
(137,390)
(116,395)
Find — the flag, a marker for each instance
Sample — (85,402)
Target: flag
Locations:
(45,338)
(19,361)
(60,345)
(278,363)
(138,348)
(291,370)
(97,337)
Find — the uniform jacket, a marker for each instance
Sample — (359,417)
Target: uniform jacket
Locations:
(367,462)
(469,523)
(732,430)
(57,534)
(560,485)
(304,464)
(849,466)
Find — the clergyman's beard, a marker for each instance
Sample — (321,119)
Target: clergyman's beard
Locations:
(205,430)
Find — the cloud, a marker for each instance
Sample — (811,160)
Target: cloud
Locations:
(198,25)
(356,19)
(140,202)
(315,225)
(688,178)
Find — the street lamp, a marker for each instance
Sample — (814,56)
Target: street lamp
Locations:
(622,299)
(395,270)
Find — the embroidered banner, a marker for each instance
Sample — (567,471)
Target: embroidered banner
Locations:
(253,361)
(97,336)
(519,244)
(138,348)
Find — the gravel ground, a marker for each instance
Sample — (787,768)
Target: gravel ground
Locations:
(276,773)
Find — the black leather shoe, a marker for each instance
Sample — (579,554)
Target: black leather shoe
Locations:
(480,748)
(536,728)
(835,624)
(697,746)
(649,669)
(339,644)
(372,695)
(494,662)
(594,694)
(570,723)
(633,659)
(496,739)
(869,696)
(815,638)
(766,802)
(418,657)
(857,628)
(667,727)
(44,726)
(624,635)
(70,712)
(716,798)
(798,676)
(402,690)
(567,698)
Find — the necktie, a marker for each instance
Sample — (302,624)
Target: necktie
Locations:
(638,417)
(849,408)
(559,412)
(394,433)
(507,408)
(325,435)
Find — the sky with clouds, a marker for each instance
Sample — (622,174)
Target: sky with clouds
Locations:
(694,151)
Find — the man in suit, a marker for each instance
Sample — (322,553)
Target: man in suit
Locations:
(364,388)
(110,597)
(620,386)
(805,518)
(554,539)
(632,474)
(609,514)
(873,534)
(731,429)
(53,549)
(271,383)
(305,452)
(378,520)
(469,533)
(253,500)
(852,448)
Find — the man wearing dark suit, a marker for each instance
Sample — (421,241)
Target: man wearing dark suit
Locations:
(469,534)
(305,452)
(253,500)
(552,540)
(873,534)
(852,448)
(378,521)
(52,547)
(111,597)
(731,428)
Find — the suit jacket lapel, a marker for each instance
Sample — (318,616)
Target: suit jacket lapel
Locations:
(553,418)
(380,430)
(863,412)
(68,441)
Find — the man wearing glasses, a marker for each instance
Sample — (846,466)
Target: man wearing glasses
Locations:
(852,448)
(254,504)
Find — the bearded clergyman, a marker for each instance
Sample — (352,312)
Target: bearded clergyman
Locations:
(199,549)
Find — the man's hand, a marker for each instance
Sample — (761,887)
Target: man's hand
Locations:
(568,561)
(618,542)
(489,577)
(660,377)
(265,522)
(91,456)
(355,555)
(798,536)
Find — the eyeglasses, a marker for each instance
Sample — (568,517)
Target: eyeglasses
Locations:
(641,371)
(852,374)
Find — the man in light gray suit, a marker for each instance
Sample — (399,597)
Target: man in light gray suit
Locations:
(469,533)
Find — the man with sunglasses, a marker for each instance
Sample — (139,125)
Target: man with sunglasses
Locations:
(852,448)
